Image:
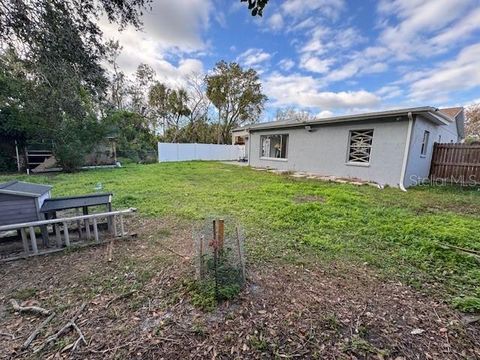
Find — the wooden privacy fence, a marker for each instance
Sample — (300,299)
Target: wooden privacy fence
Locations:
(90,223)
(456,163)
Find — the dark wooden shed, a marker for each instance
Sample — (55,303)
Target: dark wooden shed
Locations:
(22,201)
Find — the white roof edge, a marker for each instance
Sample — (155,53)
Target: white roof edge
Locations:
(6,190)
(20,193)
(436,116)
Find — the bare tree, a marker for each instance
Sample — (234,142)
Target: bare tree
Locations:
(118,82)
(198,102)
(472,123)
(292,113)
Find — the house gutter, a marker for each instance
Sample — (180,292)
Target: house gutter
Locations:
(249,146)
(406,152)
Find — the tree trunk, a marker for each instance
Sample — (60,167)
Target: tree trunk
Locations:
(219,129)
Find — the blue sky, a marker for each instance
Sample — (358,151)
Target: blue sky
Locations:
(326,56)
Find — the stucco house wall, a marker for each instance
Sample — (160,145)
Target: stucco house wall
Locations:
(325,150)
(418,166)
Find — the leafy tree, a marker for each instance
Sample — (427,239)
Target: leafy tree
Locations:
(144,80)
(256,6)
(58,47)
(74,140)
(237,95)
(29,26)
(472,123)
(13,100)
(12,116)
(170,106)
(134,138)
(201,131)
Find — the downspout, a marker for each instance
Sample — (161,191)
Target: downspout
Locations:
(249,146)
(406,152)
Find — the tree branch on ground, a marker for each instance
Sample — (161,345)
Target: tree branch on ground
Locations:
(30,309)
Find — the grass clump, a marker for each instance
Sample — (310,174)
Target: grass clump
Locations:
(358,346)
(24,294)
(202,294)
(469,304)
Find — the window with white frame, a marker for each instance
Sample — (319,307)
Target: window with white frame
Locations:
(426,137)
(274,146)
(360,146)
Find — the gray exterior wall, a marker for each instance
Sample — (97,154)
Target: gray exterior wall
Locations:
(324,151)
(418,166)
(16,209)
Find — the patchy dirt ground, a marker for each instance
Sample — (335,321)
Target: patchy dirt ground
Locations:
(138,307)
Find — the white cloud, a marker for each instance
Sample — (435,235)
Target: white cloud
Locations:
(327,8)
(286,64)
(315,64)
(275,22)
(346,71)
(325,114)
(375,68)
(425,28)
(307,23)
(316,43)
(220,18)
(176,76)
(170,26)
(324,39)
(461,30)
(305,91)
(253,57)
(459,74)
(389,92)
(167,29)
(471,102)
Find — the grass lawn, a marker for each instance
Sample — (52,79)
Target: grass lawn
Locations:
(399,235)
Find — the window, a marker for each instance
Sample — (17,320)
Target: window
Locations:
(274,146)
(360,146)
(426,136)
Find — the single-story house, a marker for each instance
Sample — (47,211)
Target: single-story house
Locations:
(391,147)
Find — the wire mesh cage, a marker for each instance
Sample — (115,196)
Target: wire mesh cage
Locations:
(220,257)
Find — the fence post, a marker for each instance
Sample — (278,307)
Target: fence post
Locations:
(33,240)
(434,160)
(221,234)
(95,230)
(24,240)
(58,235)
(122,227)
(67,236)
(114,224)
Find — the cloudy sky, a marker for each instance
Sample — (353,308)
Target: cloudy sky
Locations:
(328,56)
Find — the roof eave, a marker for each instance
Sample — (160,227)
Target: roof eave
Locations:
(437,117)
(430,113)
(21,193)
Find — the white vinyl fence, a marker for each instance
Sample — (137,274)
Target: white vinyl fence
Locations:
(187,152)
